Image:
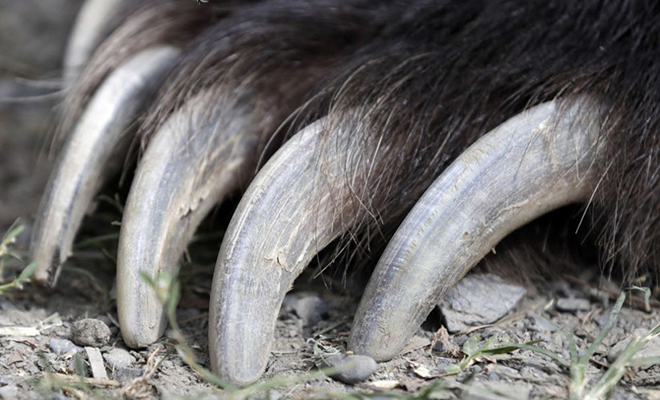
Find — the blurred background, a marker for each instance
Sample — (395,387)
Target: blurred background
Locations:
(33,36)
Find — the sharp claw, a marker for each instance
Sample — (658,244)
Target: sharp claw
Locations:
(87,32)
(82,167)
(290,211)
(191,163)
(533,163)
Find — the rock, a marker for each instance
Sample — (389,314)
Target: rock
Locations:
(63,346)
(383,385)
(508,372)
(9,392)
(573,304)
(478,300)
(530,374)
(650,349)
(540,324)
(123,374)
(442,363)
(90,332)
(6,305)
(118,358)
(275,395)
(308,307)
(352,368)
(497,391)
(602,319)
(417,342)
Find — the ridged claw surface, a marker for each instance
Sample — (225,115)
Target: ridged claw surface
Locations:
(533,163)
(85,162)
(190,165)
(292,209)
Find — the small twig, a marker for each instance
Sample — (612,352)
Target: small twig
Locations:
(85,380)
(75,393)
(140,387)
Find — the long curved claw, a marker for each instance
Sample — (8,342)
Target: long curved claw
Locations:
(190,165)
(86,34)
(293,208)
(535,162)
(83,165)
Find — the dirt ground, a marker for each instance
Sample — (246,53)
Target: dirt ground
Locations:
(35,362)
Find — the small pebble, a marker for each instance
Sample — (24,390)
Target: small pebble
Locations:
(274,395)
(63,346)
(530,374)
(123,374)
(90,332)
(506,371)
(540,324)
(573,304)
(9,392)
(6,305)
(118,358)
(497,390)
(602,319)
(442,363)
(357,367)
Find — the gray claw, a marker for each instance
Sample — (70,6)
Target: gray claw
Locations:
(535,162)
(202,153)
(297,205)
(83,166)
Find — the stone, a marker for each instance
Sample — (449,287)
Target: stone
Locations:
(124,374)
(497,390)
(90,332)
(478,300)
(352,368)
(573,304)
(508,372)
(540,324)
(63,346)
(9,392)
(118,358)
